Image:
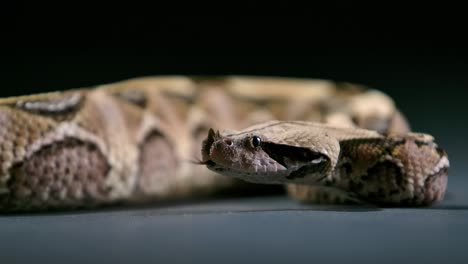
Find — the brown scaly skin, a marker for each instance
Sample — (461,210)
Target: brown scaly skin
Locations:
(396,171)
(133,141)
(407,170)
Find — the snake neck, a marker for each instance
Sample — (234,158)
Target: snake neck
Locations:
(409,169)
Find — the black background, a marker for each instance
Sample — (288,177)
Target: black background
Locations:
(418,57)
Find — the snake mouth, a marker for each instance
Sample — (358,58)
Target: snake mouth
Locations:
(209,163)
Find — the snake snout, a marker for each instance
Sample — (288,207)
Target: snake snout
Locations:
(222,152)
(217,149)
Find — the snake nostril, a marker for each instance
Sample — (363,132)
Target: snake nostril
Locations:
(228,142)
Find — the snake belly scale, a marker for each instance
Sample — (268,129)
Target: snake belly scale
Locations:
(136,141)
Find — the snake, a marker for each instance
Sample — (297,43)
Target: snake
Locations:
(165,138)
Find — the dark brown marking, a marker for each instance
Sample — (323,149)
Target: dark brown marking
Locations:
(420,143)
(378,179)
(61,108)
(64,172)
(309,169)
(134,97)
(279,152)
(384,167)
(199,130)
(157,162)
(432,177)
(356,187)
(365,177)
(389,146)
(355,120)
(348,168)
(187,99)
(398,142)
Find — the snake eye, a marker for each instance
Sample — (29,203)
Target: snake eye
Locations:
(255,141)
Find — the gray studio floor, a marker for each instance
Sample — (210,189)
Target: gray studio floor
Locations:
(264,229)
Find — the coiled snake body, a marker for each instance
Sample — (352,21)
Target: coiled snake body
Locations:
(136,140)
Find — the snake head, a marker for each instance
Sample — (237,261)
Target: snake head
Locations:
(258,156)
